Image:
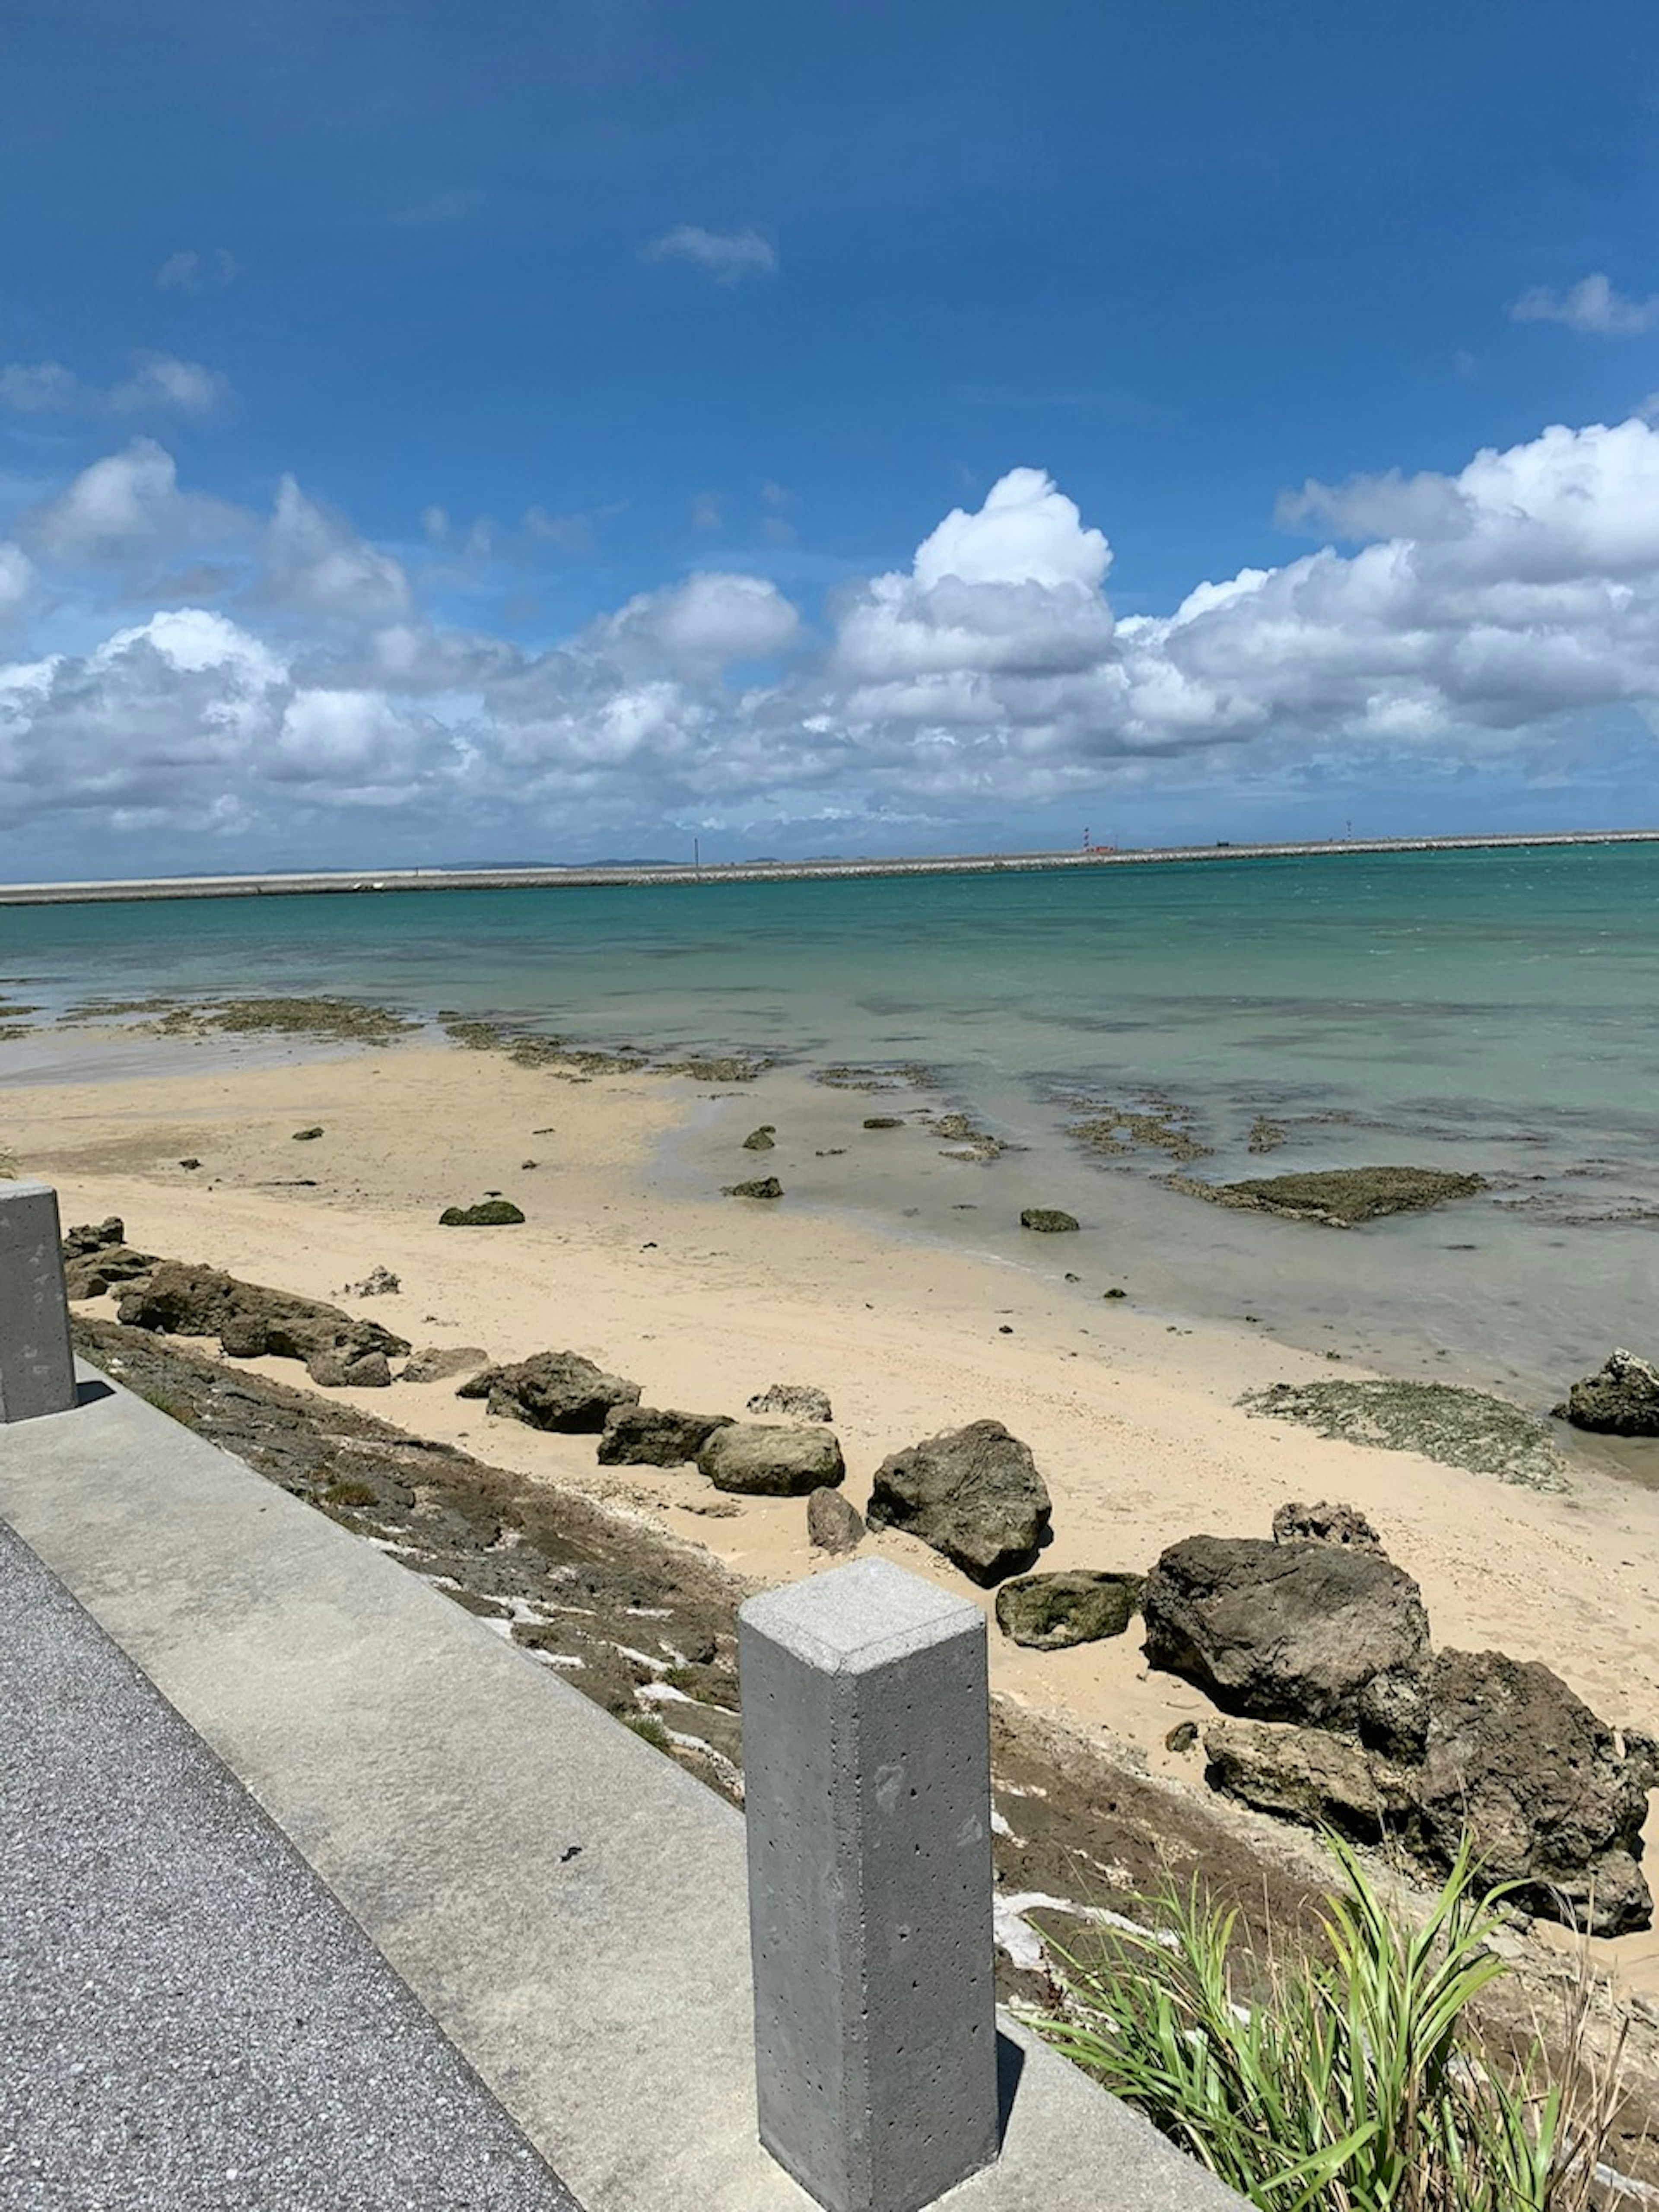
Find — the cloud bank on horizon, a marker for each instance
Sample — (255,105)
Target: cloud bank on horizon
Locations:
(288,684)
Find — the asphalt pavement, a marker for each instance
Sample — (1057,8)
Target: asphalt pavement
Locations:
(188,2022)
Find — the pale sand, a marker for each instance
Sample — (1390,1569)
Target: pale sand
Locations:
(705,1300)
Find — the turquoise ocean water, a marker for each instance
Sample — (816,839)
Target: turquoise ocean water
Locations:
(1493,1010)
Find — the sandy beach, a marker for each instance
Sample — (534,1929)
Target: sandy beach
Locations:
(706,1300)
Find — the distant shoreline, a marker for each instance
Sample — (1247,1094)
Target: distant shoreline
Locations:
(316,883)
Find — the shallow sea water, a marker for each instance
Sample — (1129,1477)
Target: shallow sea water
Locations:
(1488,1010)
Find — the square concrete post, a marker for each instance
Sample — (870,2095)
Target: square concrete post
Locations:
(867,1781)
(37,1367)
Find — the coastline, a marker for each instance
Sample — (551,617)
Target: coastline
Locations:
(628,876)
(1132,1416)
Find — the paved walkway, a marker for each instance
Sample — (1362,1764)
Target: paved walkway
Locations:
(188,2022)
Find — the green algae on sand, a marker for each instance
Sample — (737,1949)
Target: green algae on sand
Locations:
(1441,1420)
(1340,1198)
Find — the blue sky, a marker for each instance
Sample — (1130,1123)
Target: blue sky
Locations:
(529,431)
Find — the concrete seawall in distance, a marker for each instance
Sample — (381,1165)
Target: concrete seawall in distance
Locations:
(316,883)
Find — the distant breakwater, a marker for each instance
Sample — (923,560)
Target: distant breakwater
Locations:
(313,883)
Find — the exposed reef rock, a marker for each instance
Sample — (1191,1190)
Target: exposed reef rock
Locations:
(1620,1399)
(1051,1612)
(97,1258)
(1553,1802)
(796,1402)
(251,1322)
(760,1186)
(761,1140)
(441,1363)
(1156,1127)
(973,1493)
(1340,1198)
(1325,1523)
(557,1390)
(1458,1427)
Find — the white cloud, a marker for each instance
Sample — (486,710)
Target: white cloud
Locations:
(727,256)
(1592,305)
(129,504)
(160,384)
(17,578)
(317,564)
(1495,616)
(189,270)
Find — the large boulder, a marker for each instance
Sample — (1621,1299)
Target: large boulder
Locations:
(1311,1632)
(1051,1612)
(179,1300)
(1620,1399)
(558,1390)
(772,1460)
(655,1436)
(1553,1802)
(973,1493)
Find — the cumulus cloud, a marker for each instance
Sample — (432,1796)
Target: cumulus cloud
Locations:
(129,504)
(727,256)
(1489,615)
(190,270)
(160,384)
(17,578)
(1592,305)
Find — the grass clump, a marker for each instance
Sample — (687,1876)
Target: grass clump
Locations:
(1351,2079)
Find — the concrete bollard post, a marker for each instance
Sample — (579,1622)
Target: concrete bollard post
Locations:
(867,1764)
(37,1366)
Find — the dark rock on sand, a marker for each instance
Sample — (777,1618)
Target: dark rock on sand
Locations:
(761,1140)
(438,1363)
(1049,1220)
(1338,1197)
(93,1237)
(772,1461)
(557,1390)
(378,1283)
(1325,1523)
(972,1493)
(883,1121)
(1620,1399)
(655,1436)
(1051,1612)
(832,1524)
(1307,1632)
(309,1136)
(1552,1801)
(796,1402)
(1458,1427)
(762,1187)
(492,1213)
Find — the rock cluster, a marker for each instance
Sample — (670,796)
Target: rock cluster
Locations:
(1340,1198)
(252,1323)
(1341,1714)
